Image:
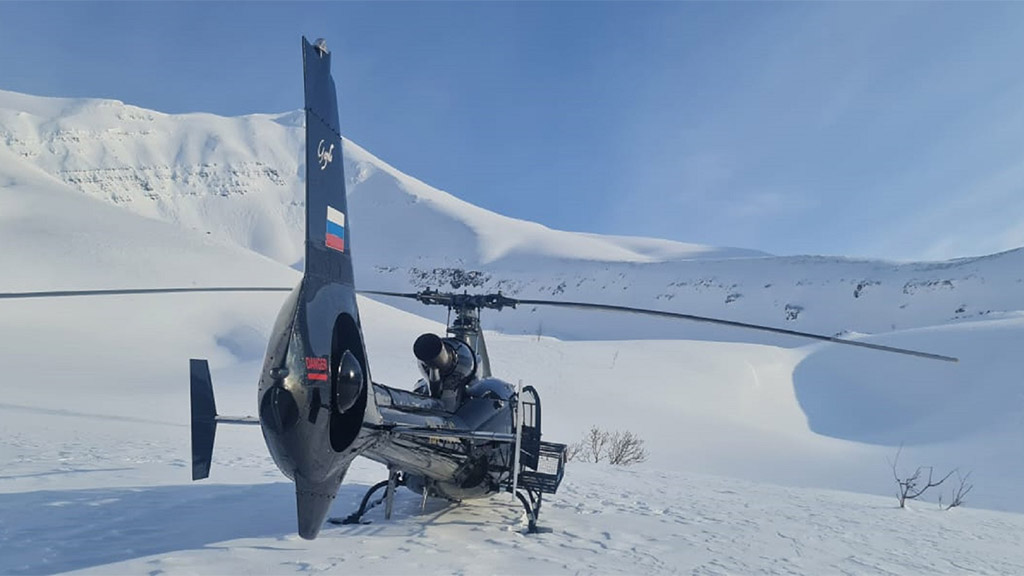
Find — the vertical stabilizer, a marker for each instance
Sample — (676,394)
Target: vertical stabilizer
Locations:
(204,418)
(328,244)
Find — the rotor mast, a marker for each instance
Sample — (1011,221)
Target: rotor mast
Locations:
(466,328)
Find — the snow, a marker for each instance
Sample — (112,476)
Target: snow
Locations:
(603,521)
(240,181)
(750,437)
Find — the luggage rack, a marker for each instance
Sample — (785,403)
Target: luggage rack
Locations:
(550,469)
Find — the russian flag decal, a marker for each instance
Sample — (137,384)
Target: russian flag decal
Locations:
(335,229)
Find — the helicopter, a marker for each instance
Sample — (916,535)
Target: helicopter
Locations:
(460,434)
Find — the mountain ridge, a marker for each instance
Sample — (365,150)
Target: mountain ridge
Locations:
(240,180)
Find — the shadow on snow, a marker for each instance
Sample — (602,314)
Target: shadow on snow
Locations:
(61,530)
(54,531)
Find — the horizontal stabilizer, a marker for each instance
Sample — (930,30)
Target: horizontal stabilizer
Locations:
(238,420)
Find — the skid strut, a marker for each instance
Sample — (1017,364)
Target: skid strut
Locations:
(531,502)
(394,480)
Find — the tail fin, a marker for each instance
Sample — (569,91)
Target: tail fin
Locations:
(329,316)
(328,245)
(316,353)
(204,418)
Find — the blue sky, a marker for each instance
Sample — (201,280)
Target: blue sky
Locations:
(890,130)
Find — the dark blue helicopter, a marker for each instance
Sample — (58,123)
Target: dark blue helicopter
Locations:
(454,437)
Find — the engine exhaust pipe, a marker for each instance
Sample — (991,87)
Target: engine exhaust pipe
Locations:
(432,351)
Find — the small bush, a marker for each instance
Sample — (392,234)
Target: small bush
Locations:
(618,448)
(912,486)
(626,449)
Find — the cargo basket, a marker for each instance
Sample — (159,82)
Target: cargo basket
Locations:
(549,472)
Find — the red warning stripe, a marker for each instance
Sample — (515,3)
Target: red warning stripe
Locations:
(315,376)
(316,364)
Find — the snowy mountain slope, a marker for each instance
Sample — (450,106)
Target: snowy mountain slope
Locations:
(55,238)
(913,401)
(240,179)
(815,294)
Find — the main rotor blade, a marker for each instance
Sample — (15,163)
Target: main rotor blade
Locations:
(500,301)
(119,291)
(611,307)
(413,295)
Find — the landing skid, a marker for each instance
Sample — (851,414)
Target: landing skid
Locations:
(531,502)
(394,480)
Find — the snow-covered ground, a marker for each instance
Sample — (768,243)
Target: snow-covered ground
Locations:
(97,463)
(749,437)
(606,521)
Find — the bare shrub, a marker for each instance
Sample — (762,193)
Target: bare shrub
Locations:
(573,451)
(960,492)
(594,443)
(910,487)
(618,448)
(626,449)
